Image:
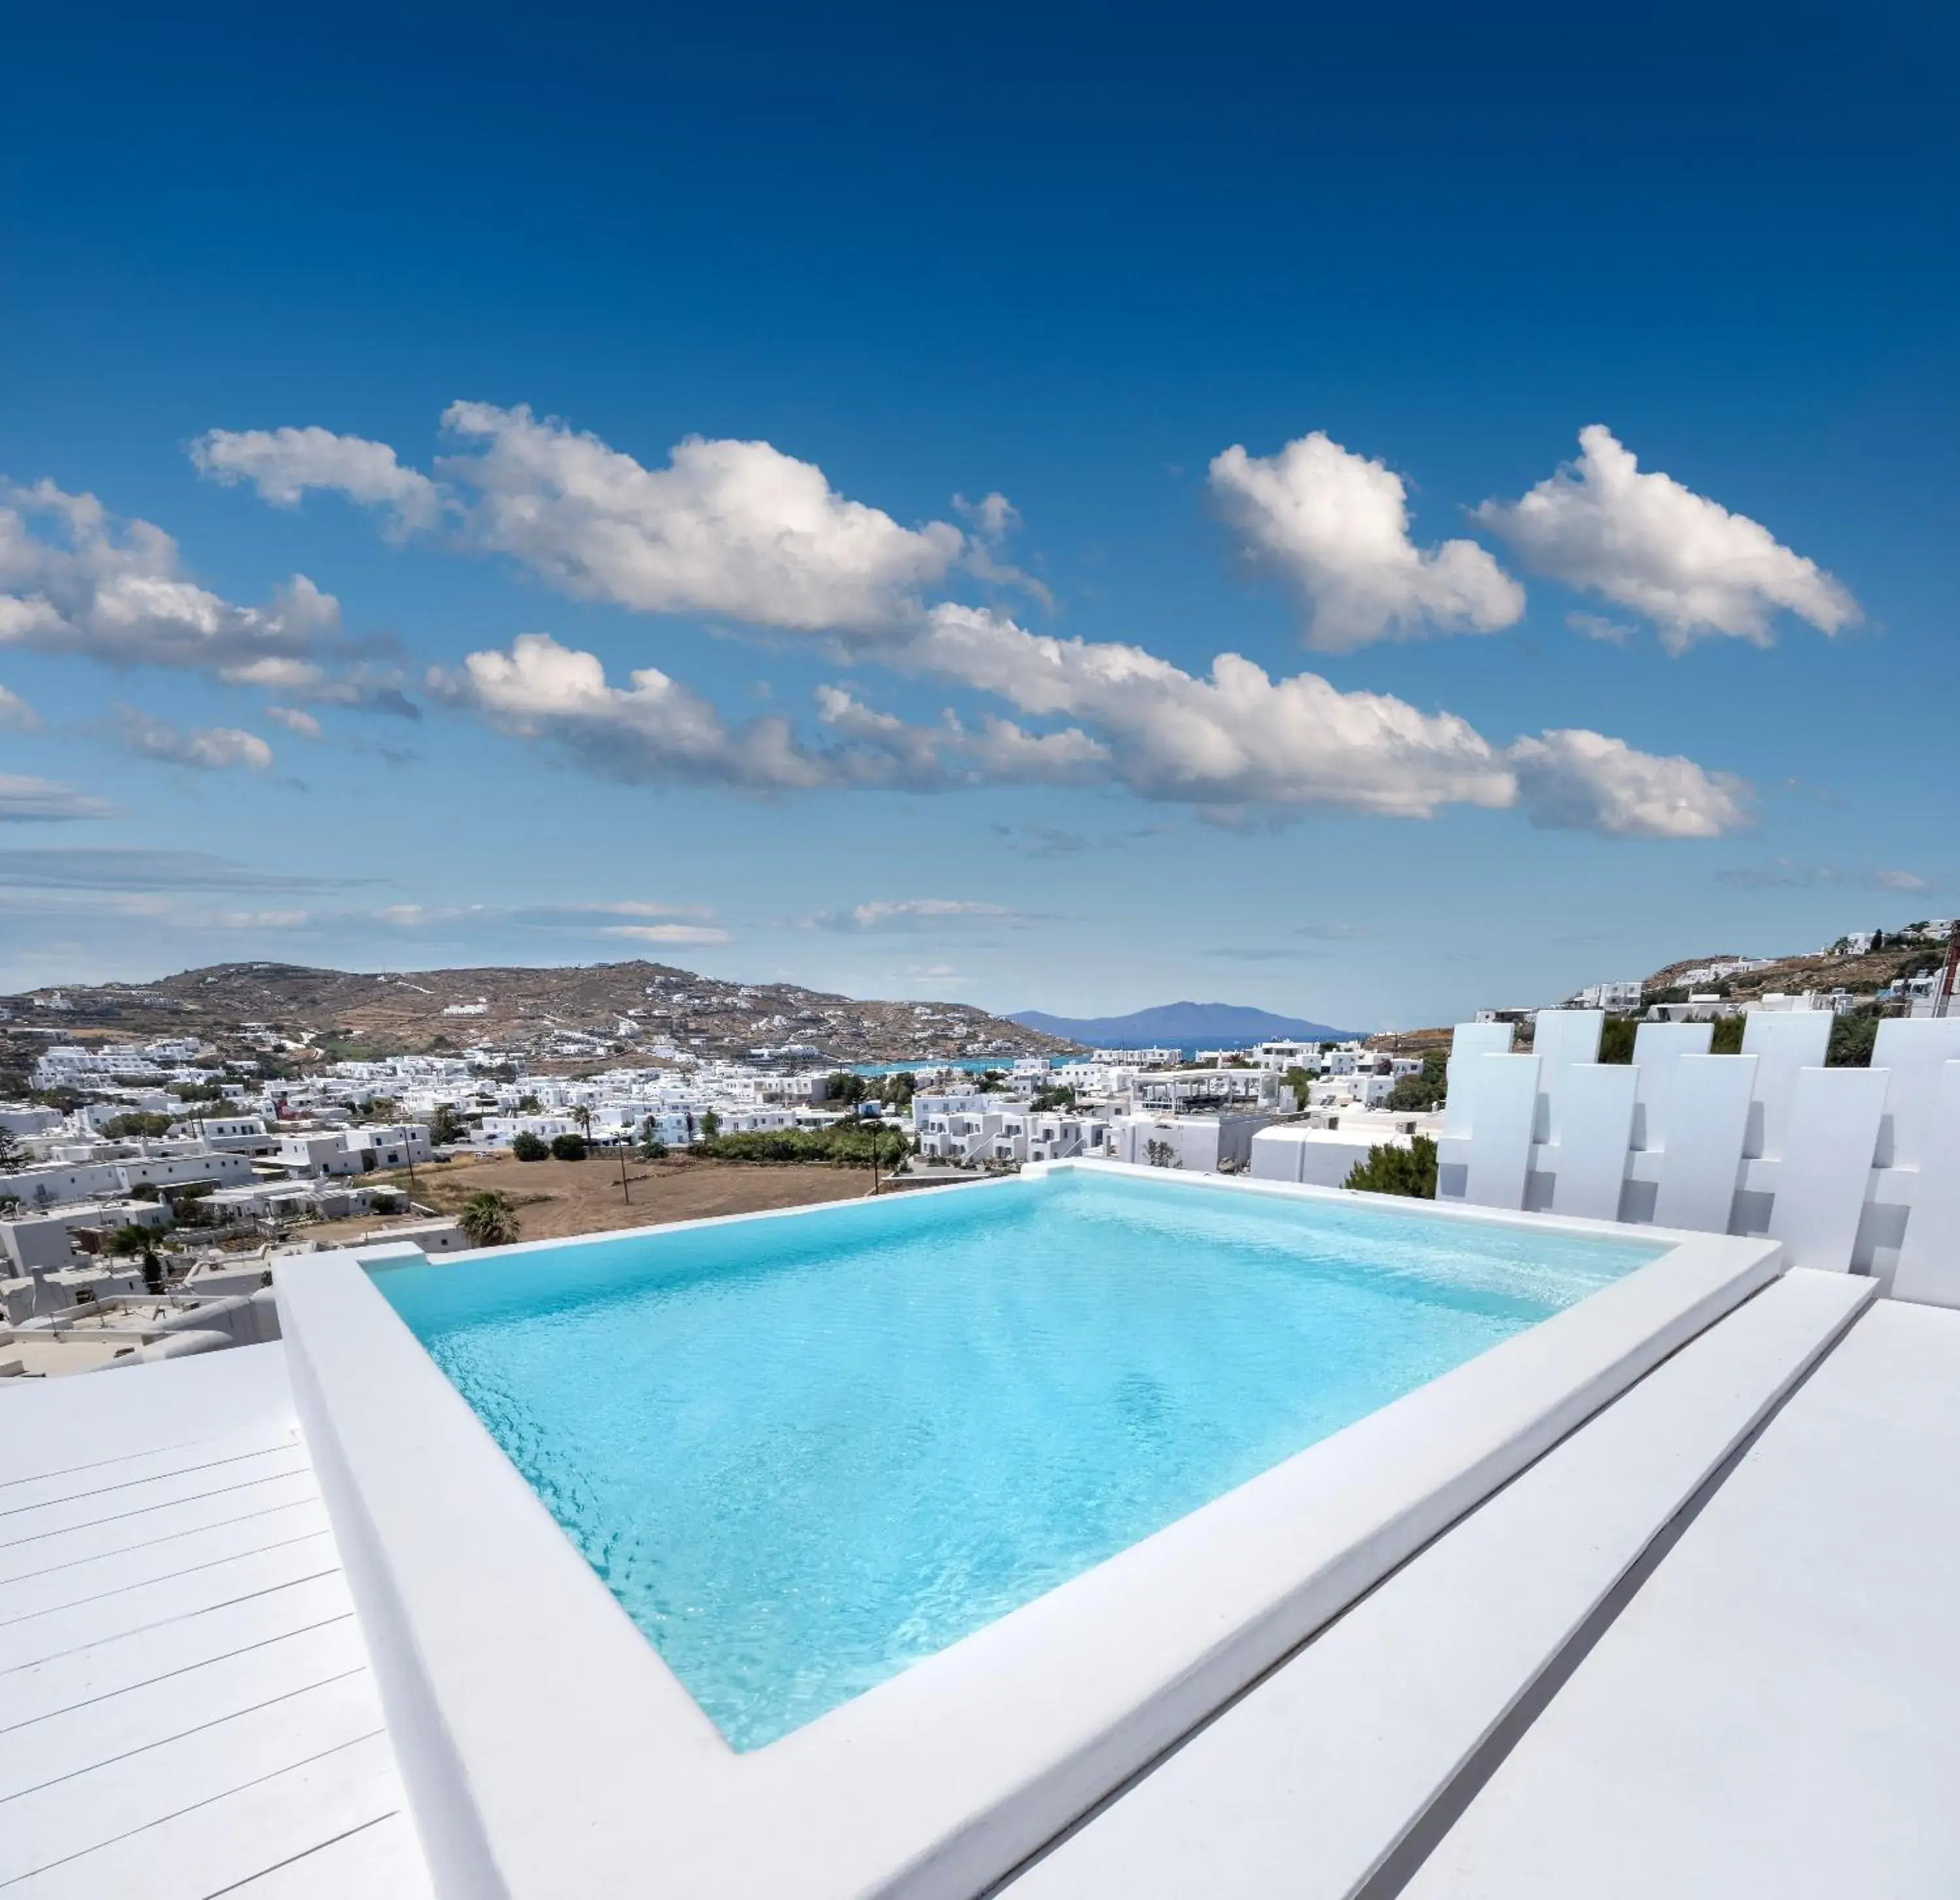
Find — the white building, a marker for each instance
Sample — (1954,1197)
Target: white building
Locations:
(1623,995)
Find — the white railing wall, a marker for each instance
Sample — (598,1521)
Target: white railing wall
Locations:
(1852,1169)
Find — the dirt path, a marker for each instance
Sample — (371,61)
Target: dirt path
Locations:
(555,1198)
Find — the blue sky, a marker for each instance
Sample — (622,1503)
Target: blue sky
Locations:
(1268,335)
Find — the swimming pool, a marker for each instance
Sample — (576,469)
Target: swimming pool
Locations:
(804,1454)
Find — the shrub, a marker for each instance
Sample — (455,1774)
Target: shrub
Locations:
(567,1147)
(1392,1169)
(1616,1039)
(121,1127)
(1726,1038)
(1425,1091)
(846,1145)
(1852,1038)
(528,1148)
(488,1220)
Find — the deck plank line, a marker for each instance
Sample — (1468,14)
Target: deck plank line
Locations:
(146,1510)
(197,1728)
(288,1767)
(150,1543)
(203,1662)
(135,1457)
(164,1577)
(293,1860)
(70,1496)
(167,1622)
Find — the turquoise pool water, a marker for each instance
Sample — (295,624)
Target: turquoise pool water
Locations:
(805,1452)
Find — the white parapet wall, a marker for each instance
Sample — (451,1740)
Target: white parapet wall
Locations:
(1852,1170)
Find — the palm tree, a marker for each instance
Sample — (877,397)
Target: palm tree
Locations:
(488,1220)
(583,1116)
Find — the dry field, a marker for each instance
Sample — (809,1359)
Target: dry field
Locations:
(555,1198)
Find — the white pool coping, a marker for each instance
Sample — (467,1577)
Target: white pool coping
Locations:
(547,1750)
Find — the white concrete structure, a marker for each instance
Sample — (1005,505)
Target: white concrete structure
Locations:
(1713,1139)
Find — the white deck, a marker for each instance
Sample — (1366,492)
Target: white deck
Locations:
(186,1707)
(1774,1712)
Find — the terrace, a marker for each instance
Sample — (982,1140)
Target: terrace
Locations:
(1650,1596)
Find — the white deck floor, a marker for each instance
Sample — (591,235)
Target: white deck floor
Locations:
(186,1707)
(1774,1712)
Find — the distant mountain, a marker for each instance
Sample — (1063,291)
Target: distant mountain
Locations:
(1181,1026)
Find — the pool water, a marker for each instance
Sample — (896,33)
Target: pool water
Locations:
(804,1453)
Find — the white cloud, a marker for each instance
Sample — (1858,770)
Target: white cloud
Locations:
(1237,738)
(655,730)
(73,580)
(912,914)
(1233,741)
(1335,524)
(46,801)
(730,528)
(727,527)
(1648,543)
(16,715)
(294,721)
(282,464)
(1595,626)
(1577,780)
(669,933)
(205,748)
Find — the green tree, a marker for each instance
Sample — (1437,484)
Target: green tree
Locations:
(1616,1039)
(131,1240)
(1160,1154)
(488,1220)
(1852,1039)
(1424,1091)
(711,1124)
(528,1146)
(567,1147)
(447,1127)
(123,1128)
(1056,1095)
(842,1086)
(583,1116)
(1391,1168)
(529,1104)
(1725,1036)
(1302,1085)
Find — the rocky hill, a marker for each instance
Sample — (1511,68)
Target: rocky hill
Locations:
(593,1011)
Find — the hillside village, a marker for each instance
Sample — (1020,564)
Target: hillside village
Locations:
(169,1141)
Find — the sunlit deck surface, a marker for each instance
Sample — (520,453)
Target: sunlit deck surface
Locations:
(185,1707)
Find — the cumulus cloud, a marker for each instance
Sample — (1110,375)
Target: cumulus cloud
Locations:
(1577,780)
(204,749)
(283,464)
(1596,626)
(73,580)
(16,715)
(294,721)
(1335,525)
(1648,543)
(655,730)
(46,801)
(726,527)
(1229,742)
(1234,737)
